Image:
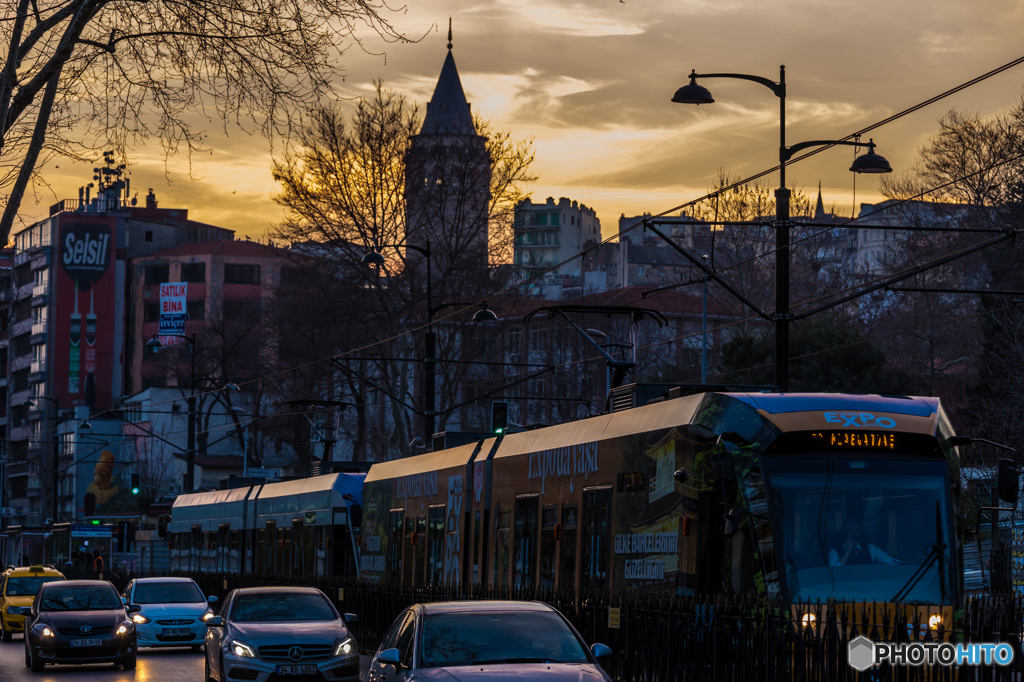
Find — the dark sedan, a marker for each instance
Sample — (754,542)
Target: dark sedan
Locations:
(497,641)
(79,621)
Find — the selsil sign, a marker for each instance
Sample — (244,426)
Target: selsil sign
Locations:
(86,253)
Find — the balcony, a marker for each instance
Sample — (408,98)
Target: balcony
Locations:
(40,289)
(37,371)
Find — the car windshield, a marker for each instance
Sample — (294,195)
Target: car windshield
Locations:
(79,598)
(454,639)
(280,608)
(28,587)
(862,528)
(167,593)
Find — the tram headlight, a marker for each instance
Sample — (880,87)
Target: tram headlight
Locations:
(935,621)
(808,620)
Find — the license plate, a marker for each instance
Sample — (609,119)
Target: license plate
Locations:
(86,642)
(175,632)
(296,670)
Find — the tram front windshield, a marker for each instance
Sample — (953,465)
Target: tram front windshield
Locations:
(862,529)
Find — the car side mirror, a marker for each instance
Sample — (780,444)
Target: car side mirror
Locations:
(732,520)
(351,618)
(134,608)
(1008,481)
(211,599)
(214,622)
(390,656)
(601,650)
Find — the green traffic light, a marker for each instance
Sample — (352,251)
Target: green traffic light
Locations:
(498,430)
(135,491)
(95,522)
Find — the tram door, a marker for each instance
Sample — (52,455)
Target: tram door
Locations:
(414,556)
(597,518)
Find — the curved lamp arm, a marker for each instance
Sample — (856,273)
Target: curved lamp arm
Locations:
(789,152)
(778,88)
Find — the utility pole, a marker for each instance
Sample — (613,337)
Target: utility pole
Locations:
(190,450)
(56,459)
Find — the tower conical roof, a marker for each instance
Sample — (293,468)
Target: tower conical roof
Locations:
(448,110)
(819,209)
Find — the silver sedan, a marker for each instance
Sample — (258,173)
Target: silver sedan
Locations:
(484,641)
(288,633)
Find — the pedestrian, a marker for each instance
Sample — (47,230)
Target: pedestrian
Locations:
(97,562)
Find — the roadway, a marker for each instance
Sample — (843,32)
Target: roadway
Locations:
(155,665)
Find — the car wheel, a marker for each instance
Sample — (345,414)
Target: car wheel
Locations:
(196,647)
(130,663)
(37,666)
(6,635)
(28,659)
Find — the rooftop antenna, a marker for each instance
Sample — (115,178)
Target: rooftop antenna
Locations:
(449,33)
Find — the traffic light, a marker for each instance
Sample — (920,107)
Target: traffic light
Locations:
(136,484)
(499,416)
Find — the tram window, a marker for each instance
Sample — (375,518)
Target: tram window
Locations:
(409,554)
(504,520)
(567,569)
(633,482)
(476,548)
(436,533)
(395,545)
(421,548)
(524,550)
(597,507)
(548,545)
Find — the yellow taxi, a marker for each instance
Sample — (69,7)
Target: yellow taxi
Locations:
(18,587)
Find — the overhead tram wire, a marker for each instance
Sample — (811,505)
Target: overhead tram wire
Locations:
(714,194)
(874,338)
(752,318)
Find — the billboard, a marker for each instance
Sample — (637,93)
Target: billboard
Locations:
(173,308)
(85,282)
(101,485)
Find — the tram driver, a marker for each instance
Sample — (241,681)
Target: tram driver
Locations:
(851,547)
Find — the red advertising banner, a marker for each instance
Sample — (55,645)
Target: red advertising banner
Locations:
(85,287)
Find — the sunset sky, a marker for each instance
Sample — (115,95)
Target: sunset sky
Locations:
(592,83)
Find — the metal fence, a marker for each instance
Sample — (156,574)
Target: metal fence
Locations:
(668,638)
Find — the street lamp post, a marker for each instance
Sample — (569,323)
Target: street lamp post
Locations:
(190,400)
(429,339)
(56,451)
(867,163)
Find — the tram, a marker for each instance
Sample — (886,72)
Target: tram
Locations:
(793,497)
(299,527)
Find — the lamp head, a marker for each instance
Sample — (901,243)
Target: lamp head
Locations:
(154,344)
(373,258)
(484,315)
(231,386)
(28,403)
(871,162)
(85,428)
(693,93)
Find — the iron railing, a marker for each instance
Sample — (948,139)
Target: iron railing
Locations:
(669,638)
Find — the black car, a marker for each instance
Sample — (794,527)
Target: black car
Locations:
(79,621)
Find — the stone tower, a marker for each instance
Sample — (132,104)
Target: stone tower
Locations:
(448,175)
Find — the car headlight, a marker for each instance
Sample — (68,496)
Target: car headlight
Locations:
(206,616)
(125,627)
(344,648)
(140,619)
(42,630)
(241,650)
(14,610)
